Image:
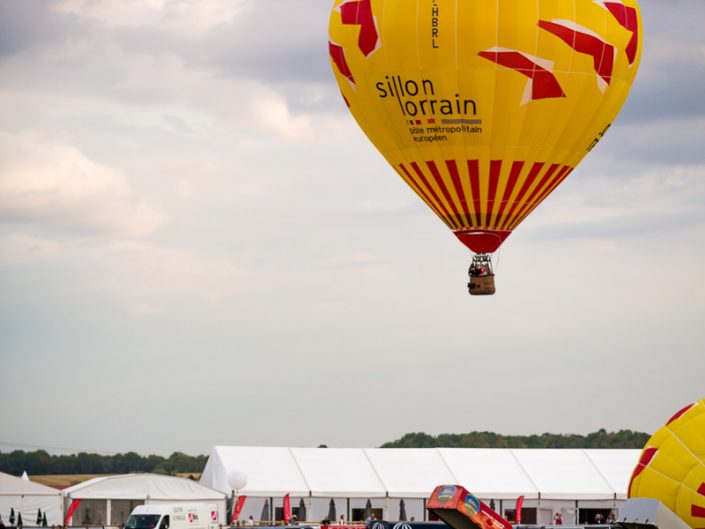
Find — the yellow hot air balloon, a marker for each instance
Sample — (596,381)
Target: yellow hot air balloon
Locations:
(671,468)
(484,108)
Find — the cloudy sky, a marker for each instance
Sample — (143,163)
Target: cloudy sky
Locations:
(198,246)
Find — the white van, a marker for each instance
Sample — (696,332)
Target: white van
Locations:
(174,516)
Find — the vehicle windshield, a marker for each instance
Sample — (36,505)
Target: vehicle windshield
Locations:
(142,521)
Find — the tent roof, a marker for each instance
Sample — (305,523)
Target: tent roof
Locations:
(338,473)
(409,472)
(142,486)
(14,486)
(413,473)
(558,474)
(270,471)
(615,468)
(490,472)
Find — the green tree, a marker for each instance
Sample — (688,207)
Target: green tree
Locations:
(599,439)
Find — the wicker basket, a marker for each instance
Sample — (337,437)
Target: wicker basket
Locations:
(481,285)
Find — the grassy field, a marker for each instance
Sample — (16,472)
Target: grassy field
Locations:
(61,481)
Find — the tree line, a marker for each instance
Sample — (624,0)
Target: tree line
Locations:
(40,462)
(599,439)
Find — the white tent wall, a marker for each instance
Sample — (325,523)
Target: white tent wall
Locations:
(120,510)
(317,508)
(94,512)
(545,510)
(27,497)
(550,480)
(253,507)
(565,508)
(613,505)
(414,507)
(569,509)
(28,506)
(116,512)
(321,506)
(109,500)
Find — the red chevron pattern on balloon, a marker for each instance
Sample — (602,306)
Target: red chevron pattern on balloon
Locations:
(337,53)
(627,18)
(698,511)
(585,41)
(542,83)
(359,13)
(680,413)
(646,458)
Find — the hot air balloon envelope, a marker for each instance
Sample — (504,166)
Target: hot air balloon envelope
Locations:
(484,108)
(671,467)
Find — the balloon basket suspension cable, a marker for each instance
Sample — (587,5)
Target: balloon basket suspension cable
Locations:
(481,275)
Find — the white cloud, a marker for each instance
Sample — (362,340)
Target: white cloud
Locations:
(22,249)
(182,16)
(273,114)
(138,277)
(379,206)
(57,187)
(669,49)
(146,279)
(610,200)
(158,91)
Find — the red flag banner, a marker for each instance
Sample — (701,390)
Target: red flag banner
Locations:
(238,507)
(69,513)
(520,504)
(287,509)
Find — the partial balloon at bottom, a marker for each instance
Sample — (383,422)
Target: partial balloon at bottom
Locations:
(671,467)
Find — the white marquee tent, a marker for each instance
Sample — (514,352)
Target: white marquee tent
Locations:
(109,500)
(555,479)
(27,497)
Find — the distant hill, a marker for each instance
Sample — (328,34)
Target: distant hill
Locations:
(599,439)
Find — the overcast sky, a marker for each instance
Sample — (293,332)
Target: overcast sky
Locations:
(198,246)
